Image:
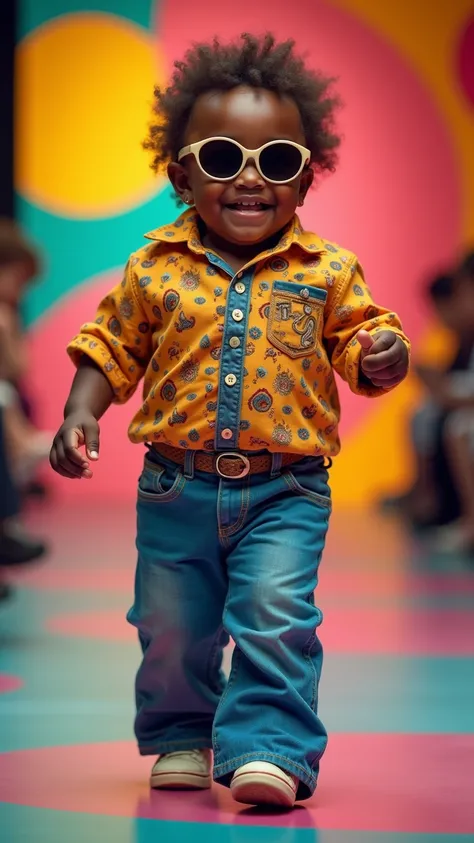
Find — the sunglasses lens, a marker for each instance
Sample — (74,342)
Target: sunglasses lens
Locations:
(220,159)
(280,161)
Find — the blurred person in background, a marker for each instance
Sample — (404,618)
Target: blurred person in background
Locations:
(455,395)
(22,446)
(19,265)
(440,427)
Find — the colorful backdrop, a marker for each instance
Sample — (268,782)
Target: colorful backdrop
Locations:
(401,198)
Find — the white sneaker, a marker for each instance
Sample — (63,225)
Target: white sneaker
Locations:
(186,770)
(261,783)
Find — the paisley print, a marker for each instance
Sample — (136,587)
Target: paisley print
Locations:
(176,324)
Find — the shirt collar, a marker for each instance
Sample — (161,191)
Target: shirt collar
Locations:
(185,230)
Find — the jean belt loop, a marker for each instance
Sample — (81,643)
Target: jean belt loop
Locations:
(189,456)
(277,461)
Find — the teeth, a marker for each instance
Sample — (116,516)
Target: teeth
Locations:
(248,204)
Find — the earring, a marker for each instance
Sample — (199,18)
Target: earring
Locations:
(187,198)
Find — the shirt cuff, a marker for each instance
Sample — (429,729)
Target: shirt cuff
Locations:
(100,354)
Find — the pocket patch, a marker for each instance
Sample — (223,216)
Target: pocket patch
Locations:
(296,316)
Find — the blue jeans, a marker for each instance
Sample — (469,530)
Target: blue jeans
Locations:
(220,559)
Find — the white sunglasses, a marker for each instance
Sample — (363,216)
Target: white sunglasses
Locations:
(223,159)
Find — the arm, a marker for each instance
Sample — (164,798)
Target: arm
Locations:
(90,391)
(350,311)
(119,341)
(111,355)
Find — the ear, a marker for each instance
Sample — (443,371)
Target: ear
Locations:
(306,181)
(179,178)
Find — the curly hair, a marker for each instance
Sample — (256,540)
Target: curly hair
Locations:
(259,63)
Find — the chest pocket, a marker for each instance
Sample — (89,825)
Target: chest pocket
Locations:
(296,317)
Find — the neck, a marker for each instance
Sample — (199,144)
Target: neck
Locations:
(236,255)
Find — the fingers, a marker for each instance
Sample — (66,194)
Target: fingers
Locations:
(374,363)
(65,457)
(387,383)
(387,352)
(386,362)
(92,439)
(365,339)
(65,466)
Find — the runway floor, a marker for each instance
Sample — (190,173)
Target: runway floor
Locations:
(397,697)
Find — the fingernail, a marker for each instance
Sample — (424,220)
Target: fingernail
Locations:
(94,455)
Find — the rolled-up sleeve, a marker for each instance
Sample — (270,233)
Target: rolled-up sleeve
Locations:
(350,309)
(119,340)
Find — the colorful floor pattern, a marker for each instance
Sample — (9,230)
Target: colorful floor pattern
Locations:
(397,697)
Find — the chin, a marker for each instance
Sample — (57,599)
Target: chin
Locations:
(249,237)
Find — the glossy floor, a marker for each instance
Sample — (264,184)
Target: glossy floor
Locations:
(397,697)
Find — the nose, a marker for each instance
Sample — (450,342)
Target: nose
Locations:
(250,177)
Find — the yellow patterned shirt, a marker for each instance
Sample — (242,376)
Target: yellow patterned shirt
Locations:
(229,360)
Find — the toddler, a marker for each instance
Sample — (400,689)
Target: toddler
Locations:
(236,318)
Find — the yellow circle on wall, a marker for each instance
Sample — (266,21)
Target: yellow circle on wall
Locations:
(83,102)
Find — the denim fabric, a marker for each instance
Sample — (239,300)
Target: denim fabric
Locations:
(220,559)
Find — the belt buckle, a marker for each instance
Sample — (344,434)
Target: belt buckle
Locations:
(245,470)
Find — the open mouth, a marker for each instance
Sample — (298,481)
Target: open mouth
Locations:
(249,207)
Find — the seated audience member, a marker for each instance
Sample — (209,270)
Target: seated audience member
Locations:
(433,498)
(21,445)
(27,446)
(456,397)
(16,547)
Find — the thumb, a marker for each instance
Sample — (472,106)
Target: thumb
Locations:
(365,340)
(92,439)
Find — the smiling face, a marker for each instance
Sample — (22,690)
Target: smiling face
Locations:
(247,211)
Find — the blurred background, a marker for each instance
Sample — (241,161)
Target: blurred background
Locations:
(76,83)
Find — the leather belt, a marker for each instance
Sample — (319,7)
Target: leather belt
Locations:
(231,465)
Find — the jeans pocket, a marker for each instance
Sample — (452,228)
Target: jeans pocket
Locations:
(159,483)
(311,482)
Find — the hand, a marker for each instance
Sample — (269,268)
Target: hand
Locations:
(384,358)
(78,429)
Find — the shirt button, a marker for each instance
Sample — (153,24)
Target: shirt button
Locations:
(240,287)
(230,380)
(226,433)
(234,342)
(237,315)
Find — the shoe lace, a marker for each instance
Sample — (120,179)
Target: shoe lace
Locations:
(195,753)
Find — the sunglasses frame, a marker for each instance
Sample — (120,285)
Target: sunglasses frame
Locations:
(247,154)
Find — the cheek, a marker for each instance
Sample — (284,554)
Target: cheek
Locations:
(201,187)
(287,195)
(206,194)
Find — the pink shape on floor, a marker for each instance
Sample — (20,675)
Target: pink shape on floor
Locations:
(466,61)
(403,631)
(9,683)
(369,782)
(109,625)
(334,584)
(63,579)
(346,630)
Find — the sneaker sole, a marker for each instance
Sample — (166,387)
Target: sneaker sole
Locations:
(262,789)
(180,781)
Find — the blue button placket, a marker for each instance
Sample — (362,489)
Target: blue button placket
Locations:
(232,361)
